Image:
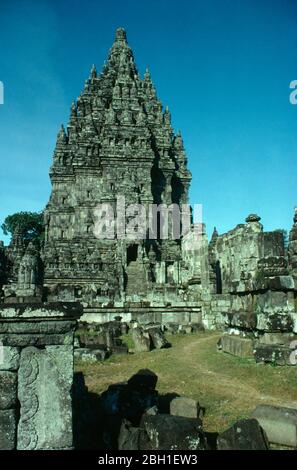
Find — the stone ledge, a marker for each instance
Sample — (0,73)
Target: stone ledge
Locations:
(23,340)
(39,326)
(50,310)
(280,424)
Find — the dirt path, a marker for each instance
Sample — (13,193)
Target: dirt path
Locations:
(228,388)
(234,387)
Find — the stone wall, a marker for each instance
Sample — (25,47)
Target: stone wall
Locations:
(36,375)
(256,288)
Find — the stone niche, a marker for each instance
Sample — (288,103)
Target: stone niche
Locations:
(36,375)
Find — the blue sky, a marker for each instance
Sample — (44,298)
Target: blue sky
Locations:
(222,67)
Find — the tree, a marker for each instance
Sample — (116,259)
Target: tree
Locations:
(30,224)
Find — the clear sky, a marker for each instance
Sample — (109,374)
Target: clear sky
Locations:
(222,66)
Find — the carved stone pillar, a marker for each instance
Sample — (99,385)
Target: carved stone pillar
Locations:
(36,375)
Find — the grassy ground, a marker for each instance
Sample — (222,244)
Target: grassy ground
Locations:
(228,387)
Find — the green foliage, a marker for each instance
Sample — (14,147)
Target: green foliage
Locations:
(128,341)
(30,224)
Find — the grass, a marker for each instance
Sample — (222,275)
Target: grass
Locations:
(128,341)
(227,386)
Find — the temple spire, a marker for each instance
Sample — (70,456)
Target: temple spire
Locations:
(62,136)
(93,71)
(147,75)
(120,35)
(215,234)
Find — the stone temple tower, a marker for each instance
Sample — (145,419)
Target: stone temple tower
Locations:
(118,142)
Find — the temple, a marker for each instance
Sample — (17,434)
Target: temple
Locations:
(119,147)
(119,143)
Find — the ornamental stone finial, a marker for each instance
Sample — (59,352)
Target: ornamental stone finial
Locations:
(62,136)
(253,218)
(93,71)
(121,35)
(295,215)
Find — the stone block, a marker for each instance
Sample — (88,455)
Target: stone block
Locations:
(197,327)
(274,353)
(8,390)
(279,424)
(281,283)
(44,391)
(168,432)
(241,319)
(184,406)
(119,349)
(187,329)
(275,338)
(37,328)
(9,358)
(273,303)
(131,438)
(274,322)
(90,355)
(142,340)
(157,337)
(7,429)
(237,346)
(24,339)
(245,434)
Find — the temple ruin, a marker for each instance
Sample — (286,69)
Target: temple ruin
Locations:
(119,142)
(119,147)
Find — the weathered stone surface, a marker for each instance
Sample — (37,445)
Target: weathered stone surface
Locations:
(151,411)
(245,434)
(76,343)
(116,122)
(244,319)
(131,438)
(279,424)
(168,432)
(237,346)
(119,349)
(9,358)
(37,327)
(281,283)
(43,310)
(197,327)
(276,338)
(23,340)
(7,429)
(292,248)
(90,355)
(274,322)
(8,389)
(242,279)
(187,329)
(184,406)
(158,338)
(44,391)
(172,328)
(275,353)
(142,340)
